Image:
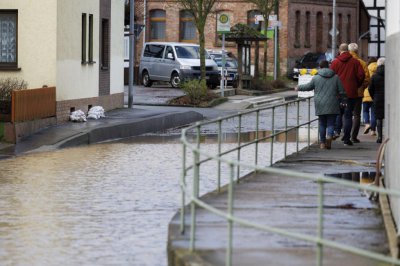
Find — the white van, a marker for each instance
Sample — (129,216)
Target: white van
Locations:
(174,62)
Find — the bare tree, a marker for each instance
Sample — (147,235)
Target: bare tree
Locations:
(200,9)
(265,7)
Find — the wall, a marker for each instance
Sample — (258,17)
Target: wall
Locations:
(36,41)
(392,100)
(74,79)
(117,47)
(344,8)
(238,14)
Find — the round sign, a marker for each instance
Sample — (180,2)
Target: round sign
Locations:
(223,18)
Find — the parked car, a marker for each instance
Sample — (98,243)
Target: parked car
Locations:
(231,70)
(216,54)
(307,61)
(174,62)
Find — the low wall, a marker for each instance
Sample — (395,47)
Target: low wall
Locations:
(15,132)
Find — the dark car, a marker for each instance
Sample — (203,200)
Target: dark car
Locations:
(307,61)
(231,67)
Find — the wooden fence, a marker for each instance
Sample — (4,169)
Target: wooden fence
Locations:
(33,104)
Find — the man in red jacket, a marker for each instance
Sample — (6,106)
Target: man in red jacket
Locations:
(352,76)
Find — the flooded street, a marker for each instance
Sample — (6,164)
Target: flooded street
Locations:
(104,204)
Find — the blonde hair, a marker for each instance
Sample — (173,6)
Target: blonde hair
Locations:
(353,47)
(381,61)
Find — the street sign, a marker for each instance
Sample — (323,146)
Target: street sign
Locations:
(272,17)
(258,18)
(223,23)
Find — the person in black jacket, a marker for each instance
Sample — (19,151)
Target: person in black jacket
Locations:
(377,92)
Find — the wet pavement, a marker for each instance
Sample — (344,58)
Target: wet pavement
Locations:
(150,113)
(291,204)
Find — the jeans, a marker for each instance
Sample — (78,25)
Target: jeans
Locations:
(339,121)
(326,122)
(348,118)
(369,115)
(356,118)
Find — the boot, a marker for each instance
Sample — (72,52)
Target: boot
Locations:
(379,129)
(328,143)
(322,146)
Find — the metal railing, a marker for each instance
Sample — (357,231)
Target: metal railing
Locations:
(200,157)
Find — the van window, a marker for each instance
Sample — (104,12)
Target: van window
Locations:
(190,52)
(154,50)
(167,51)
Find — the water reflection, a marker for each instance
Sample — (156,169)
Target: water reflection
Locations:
(106,204)
(359,177)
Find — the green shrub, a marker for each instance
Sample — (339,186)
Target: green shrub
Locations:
(8,85)
(196,90)
(278,84)
(261,85)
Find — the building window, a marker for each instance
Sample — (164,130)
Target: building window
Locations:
(187,27)
(320,32)
(90,38)
(157,25)
(348,29)
(297,30)
(329,36)
(307,42)
(87,39)
(105,44)
(8,37)
(251,19)
(340,29)
(83,40)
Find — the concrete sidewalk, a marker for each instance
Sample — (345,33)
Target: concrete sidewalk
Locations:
(289,204)
(151,114)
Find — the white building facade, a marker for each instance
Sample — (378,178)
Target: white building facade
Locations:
(75,46)
(392,100)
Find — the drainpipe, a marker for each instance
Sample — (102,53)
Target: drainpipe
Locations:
(334,29)
(131,50)
(144,20)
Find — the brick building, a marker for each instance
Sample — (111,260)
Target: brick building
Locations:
(305,25)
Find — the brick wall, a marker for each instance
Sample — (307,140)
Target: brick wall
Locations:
(238,11)
(108,102)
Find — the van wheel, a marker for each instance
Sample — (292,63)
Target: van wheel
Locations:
(175,80)
(146,81)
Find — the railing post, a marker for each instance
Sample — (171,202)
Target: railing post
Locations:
(219,154)
(271,157)
(298,127)
(320,230)
(309,123)
(286,127)
(239,143)
(257,128)
(183,182)
(196,177)
(228,261)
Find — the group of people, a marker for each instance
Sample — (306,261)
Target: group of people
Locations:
(341,90)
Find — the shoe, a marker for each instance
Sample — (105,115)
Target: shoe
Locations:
(373,133)
(322,146)
(355,140)
(379,140)
(328,143)
(367,128)
(348,143)
(335,135)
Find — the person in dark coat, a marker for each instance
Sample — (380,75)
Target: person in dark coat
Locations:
(352,76)
(377,91)
(328,91)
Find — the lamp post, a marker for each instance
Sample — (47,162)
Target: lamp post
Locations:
(334,29)
(131,50)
